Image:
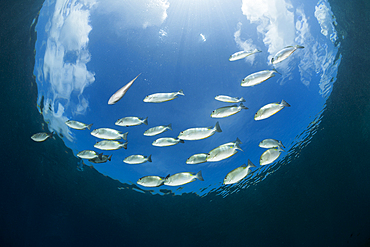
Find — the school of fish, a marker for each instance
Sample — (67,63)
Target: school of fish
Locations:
(110,137)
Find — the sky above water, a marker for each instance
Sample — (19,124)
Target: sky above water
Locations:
(86,50)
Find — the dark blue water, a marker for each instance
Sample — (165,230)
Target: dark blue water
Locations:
(321,198)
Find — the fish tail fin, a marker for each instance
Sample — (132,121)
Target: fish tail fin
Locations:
(243,107)
(276,71)
(124,145)
(284,103)
(280,149)
(100,155)
(145,121)
(299,47)
(281,144)
(169,126)
(217,127)
(150,158)
(89,126)
(238,147)
(110,157)
(199,176)
(250,164)
(124,136)
(181,141)
(242,99)
(181,92)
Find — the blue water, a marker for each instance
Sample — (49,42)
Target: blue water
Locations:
(183,45)
(316,193)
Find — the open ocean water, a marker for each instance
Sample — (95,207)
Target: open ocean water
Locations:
(321,198)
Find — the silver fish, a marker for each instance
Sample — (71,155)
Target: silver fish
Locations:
(88,154)
(109,134)
(270,109)
(270,143)
(110,145)
(270,155)
(137,159)
(157,130)
(166,141)
(285,53)
(224,151)
(42,136)
(151,181)
(162,97)
(121,92)
(131,121)
(197,159)
(238,174)
(229,99)
(227,111)
(77,125)
(257,78)
(183,178)
(102,159)
(242,54)
(199,133)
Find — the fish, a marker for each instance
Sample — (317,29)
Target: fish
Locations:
(131,121)
(102,159)
(239,173)
(42,136)
(242,54)
(270,143)
(77,125)
(285,53)
(224,151)
(121,92)
(88,154)
(269,110)
(199,133)
(110,145)
(162,97)
(151,181)
(137,159)
(166,141)
(183,178)
(197,159)
(257,78)
(270,155)
(157,130)
(229,99)
(109,134)
(227,111)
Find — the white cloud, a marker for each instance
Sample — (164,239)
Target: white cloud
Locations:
(316,58)
(281,25)
(246,45)
(68,33)
(275,20)
(134,14)
(74,34)
(325,17)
